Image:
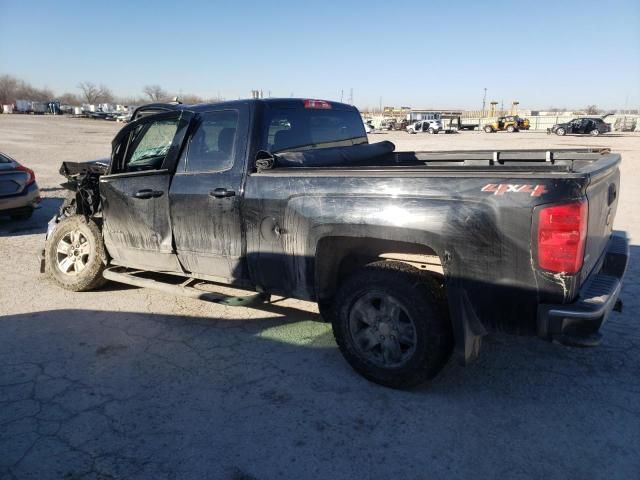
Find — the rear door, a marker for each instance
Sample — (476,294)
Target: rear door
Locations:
(135,193)
(206,195)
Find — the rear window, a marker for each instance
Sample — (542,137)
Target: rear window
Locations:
(303,129)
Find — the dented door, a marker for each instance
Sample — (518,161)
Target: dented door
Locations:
(206,196)
(135,193)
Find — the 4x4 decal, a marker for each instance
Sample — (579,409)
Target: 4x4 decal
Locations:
(502,188)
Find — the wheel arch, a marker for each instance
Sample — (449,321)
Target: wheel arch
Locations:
(337,256)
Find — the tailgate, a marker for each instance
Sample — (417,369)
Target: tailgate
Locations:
(602,193)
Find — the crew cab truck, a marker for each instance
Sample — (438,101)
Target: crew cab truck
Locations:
(410,255)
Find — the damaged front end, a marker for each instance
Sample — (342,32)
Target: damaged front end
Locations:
(84,194)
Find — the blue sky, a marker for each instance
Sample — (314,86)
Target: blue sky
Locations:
(426,53)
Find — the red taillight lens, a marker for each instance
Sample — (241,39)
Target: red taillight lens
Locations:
(562,232)
(317,104)
(31,177)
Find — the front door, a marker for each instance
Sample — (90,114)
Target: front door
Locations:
(206,195)
(135,192)
(575,126)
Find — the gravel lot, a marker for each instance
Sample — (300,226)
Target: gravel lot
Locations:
(132,383)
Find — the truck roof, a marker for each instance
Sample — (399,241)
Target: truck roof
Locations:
(269,102)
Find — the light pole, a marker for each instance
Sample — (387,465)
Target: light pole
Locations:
(484,101)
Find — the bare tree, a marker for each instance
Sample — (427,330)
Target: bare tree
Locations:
(94,94)
(155,93)
(190,98)
(12,89)
(592,110)
(8,89)
(69,99)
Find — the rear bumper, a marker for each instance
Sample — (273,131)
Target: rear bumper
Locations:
(578,323)
(28,199)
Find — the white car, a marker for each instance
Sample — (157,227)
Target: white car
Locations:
(431,126)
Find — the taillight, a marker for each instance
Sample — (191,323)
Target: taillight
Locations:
(317,104)
(31,177)
(562,233)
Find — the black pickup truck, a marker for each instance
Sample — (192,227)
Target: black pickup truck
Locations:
(410,255)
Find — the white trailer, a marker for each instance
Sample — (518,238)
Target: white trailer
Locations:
(23,106)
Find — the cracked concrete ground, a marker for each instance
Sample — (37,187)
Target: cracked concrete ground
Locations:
(137,384)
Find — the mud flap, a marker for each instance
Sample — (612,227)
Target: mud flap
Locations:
(467,328)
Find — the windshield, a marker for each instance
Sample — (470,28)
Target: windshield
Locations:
(304,129)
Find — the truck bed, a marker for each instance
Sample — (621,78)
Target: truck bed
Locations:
(377,157)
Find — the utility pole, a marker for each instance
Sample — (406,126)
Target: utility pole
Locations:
(484,101)
(351,96)
(342,96)
(380,105)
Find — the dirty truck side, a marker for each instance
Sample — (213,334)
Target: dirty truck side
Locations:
(410,255)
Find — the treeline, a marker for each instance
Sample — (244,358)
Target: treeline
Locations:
(12,89)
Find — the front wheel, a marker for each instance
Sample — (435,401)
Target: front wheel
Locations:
(75,255)
(511,129)
(595,132)
(561,132)
(432,130)
(488,129)
(391,324)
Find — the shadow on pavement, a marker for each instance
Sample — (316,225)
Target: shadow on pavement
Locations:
(34,225)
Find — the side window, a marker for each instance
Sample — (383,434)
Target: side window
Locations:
(211,148)
(278,124)
(149,144)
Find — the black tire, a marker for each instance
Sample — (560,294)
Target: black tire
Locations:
(511,129)
(26,215)
(595,132)
(325,308)
(93,258)
(422,303)
(561,132)
(488,129)
(432,130)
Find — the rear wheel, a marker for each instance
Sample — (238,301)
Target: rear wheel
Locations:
(595,132)
(391,324)
(511,129)
(432,130)
(561,132)
(75,254)
(488,129)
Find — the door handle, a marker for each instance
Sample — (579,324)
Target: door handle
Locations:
(222,193)
(148,193)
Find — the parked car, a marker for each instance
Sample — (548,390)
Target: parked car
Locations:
(583,125)
(431,126)
(19,193)
(410,255)
(510,123)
